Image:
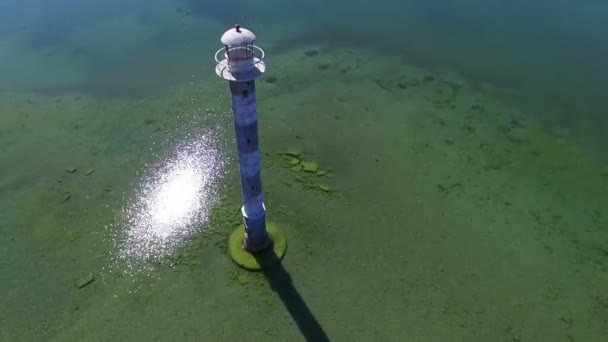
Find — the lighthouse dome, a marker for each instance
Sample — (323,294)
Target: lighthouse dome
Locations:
(237,36)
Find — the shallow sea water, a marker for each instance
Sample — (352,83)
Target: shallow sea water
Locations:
(462,193)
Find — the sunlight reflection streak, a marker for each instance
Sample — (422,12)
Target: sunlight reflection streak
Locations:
(173,201)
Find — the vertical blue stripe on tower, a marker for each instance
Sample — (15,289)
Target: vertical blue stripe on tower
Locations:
(246,131)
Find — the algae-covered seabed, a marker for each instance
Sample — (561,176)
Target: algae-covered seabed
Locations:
(450,215)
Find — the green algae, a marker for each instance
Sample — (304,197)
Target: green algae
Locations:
(283,210)
(243,279)
(252,281)
(287,184)
(263,259)
(324,188)
(189,254)
(310,166)
(72,234)
(224,215)
(254,285)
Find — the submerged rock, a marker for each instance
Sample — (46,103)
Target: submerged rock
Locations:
(86,280)
(150,121)
(311,52)
(292,152)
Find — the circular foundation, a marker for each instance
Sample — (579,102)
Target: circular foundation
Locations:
(260,260)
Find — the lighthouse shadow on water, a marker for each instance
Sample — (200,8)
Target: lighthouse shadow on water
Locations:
(280,281)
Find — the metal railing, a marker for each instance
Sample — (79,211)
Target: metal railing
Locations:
(251,51)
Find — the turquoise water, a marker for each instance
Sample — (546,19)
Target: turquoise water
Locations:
(462,187)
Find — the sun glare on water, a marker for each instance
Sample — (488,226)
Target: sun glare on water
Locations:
(172,203)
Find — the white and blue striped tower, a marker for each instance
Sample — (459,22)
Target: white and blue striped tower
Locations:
(240,63)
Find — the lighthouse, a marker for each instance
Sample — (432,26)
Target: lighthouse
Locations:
(240,62)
